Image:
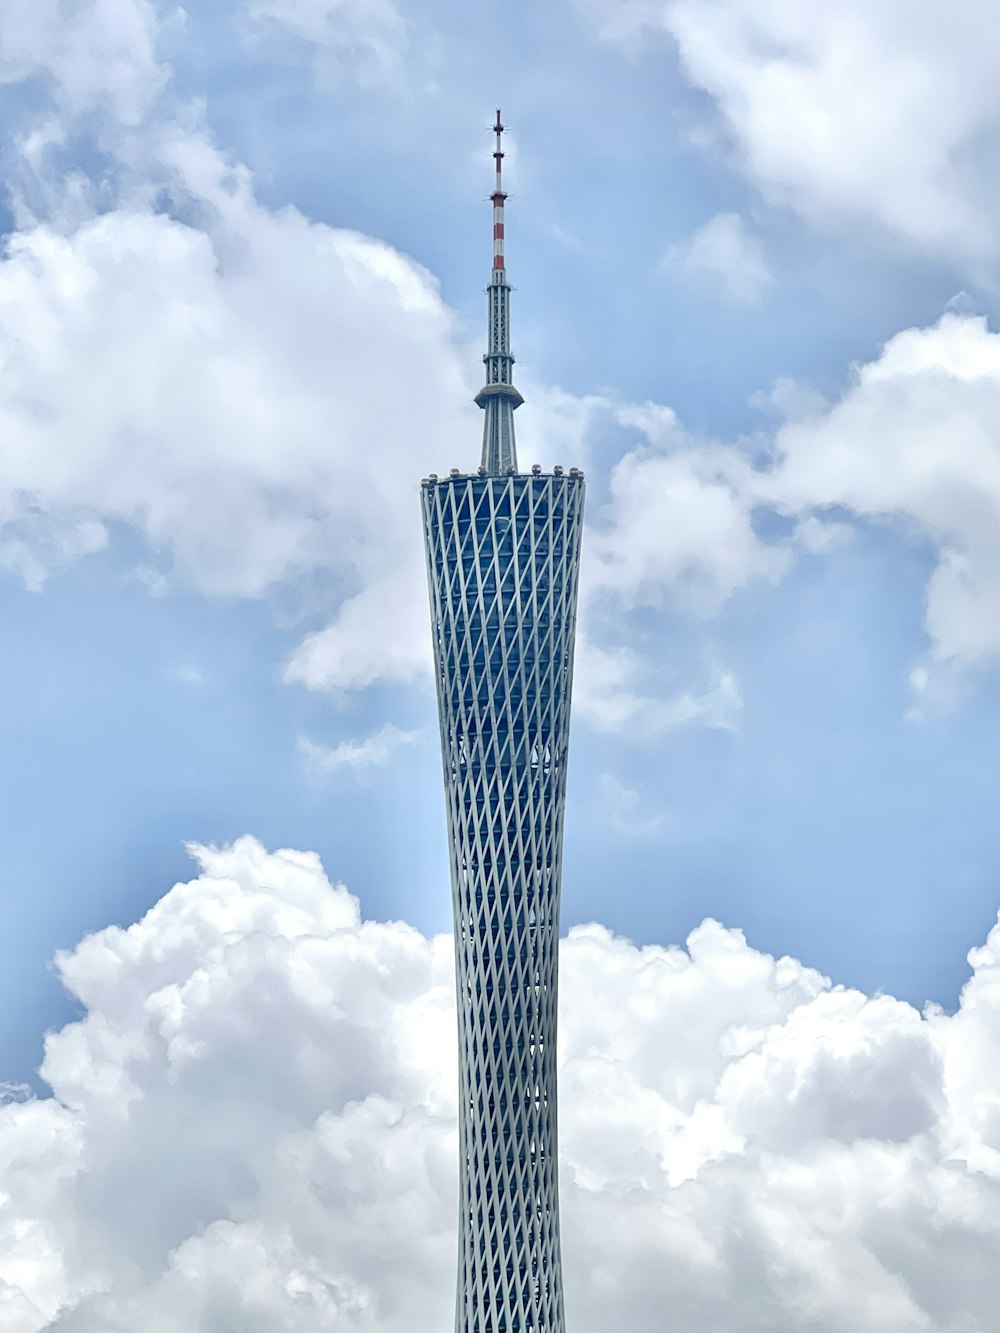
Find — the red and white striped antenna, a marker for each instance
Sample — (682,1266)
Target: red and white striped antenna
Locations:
(498,198)
(498,397)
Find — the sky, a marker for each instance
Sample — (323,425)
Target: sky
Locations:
(242,313)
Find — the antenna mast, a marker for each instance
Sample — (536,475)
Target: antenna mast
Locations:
(498,397)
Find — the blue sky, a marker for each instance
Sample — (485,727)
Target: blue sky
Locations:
(245,254)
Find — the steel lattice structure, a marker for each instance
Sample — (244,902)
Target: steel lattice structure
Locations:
(503,559)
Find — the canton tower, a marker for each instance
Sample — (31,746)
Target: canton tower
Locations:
(503,556)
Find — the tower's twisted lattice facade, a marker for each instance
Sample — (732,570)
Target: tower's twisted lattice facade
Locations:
(503,557)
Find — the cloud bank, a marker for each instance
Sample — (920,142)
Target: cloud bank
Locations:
(235,383)
(253,1126)
(911,444)
(848,112)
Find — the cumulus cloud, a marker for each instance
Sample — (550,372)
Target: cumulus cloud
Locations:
(261,430)
(912,443)
(293,450)
(679,530)
(233,382)
(292,447)
(724,255)
(94,54)
(848,110)
(252,1125)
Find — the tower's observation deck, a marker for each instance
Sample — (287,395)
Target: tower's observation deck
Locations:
(503,559)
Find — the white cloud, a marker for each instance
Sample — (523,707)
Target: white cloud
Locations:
(679,531)
(12,1091)
(363,41)
(848,110)
(821,536)
(261,429)
(742,1145)
(95,53)
(619,689)
(723,254)
(916,439)
(261,424)
(33,547)
(360,757)
(234,383)
(912,443)
(623,807)
(293,448)
(381,633)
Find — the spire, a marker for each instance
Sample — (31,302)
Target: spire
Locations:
(498,397)
(498,197)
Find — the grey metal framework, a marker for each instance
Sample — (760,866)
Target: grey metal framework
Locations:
(503,559)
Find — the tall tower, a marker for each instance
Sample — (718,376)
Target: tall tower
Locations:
(503,555)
